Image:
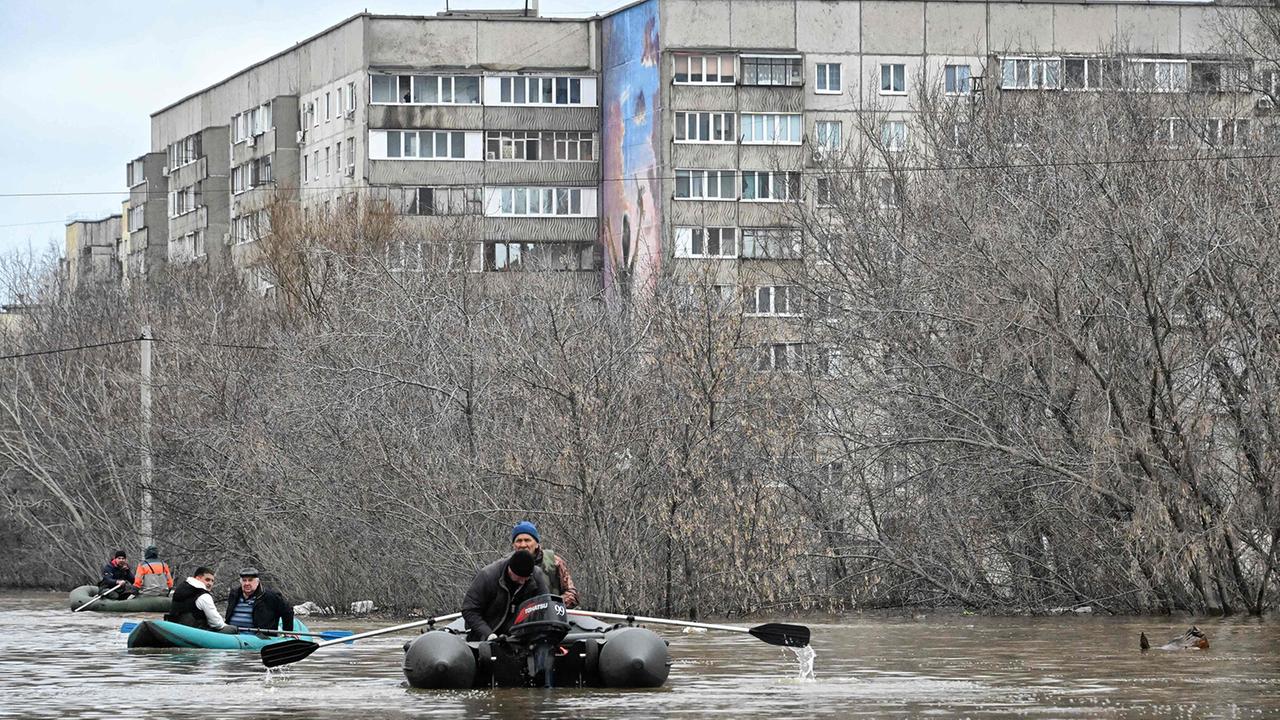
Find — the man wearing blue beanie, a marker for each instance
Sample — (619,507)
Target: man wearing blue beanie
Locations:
(524,536)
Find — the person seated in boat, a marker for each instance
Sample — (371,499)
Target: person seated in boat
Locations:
(153,576)
(524,536)
(253,606)
(117,577)
(497,591)
(193,604)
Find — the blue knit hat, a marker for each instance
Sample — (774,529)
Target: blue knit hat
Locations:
(524,527)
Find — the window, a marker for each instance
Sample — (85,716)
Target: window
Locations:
(1219,77)
(823,192)
(1029,73)
(1158,75)
(527,90)
(1223,132)
(251,123)
(240,179)
(887,192)
(710,242)
(328,107)
(326,160)
(894,135)
(710,295)
(770,185)
(773,300)
(705,185)
(182,201)
(340,99)
(702,69)
(197,243)
(541,201)
(1091,73)
(435,201)
(893,79)
(135,172)
(956,80)
(351,98)
(539,145)
(184,151)
(771,243)
(306,168)
(137,217)
(423,90)
(705,127)
(828,134)
(308,113)
(828,79)
(772,70)
(771,128)
(781,357)
(351,152)
(540,256)
(337,155)
(419,144)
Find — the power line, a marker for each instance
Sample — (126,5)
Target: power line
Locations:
(56,351)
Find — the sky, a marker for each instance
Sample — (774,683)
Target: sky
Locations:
(81,78)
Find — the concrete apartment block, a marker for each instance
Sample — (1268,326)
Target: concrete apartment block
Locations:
(593,145)
(89,253)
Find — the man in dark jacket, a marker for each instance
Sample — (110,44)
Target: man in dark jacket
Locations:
(253,606)
(497,592)
(117,577)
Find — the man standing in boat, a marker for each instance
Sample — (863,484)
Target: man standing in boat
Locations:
(524,536)
(153,576)
(497,591)
(253,606)
(193,604)
(117,577)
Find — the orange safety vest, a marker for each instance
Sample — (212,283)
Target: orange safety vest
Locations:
(153,576)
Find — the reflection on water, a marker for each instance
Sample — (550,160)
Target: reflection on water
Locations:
(56,664)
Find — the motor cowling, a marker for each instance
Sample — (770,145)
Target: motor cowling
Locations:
(542,619)
(439,659)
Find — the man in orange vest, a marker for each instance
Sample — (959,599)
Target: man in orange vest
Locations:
(152,576)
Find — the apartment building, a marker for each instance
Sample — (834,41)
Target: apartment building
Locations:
(90,252)
(665,136)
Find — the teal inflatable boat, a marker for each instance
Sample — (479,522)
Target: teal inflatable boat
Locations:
(165,634)
(137,603)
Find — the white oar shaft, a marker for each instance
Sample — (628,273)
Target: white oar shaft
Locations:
(98,597)
(384,631)
(658,621)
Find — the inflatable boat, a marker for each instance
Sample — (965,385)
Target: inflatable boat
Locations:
(137,603)
(165,634)
(546,647)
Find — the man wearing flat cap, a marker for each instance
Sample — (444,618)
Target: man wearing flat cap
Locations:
(498,591)
(253,606)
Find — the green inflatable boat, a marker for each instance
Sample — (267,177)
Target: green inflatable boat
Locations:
(137,603)
(165,634)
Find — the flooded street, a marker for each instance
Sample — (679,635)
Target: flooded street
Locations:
(59,665)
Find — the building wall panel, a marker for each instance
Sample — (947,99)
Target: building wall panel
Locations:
(763,24)
(541,118)
(426,172)
(955,28)
(550,229)
(892,27)
(541,173)
(696,23)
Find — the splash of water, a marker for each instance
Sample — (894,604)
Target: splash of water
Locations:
(805,656)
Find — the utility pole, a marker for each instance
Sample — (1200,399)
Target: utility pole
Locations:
(146,529)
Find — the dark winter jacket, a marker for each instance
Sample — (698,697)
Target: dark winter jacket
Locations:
(112,575)
(492,600)
(269,608)
(183,610)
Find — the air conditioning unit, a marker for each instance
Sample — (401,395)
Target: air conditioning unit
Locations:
(351,171)
(491,155)
(302,137)
(164,170)
(1265,103)
(251,141)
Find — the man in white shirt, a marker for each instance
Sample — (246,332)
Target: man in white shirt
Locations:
(193,604)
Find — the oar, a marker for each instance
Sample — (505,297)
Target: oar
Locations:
(99,596)
(327,634)
(291,651)
(772,633)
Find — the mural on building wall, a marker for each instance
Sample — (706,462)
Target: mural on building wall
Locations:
(631,190)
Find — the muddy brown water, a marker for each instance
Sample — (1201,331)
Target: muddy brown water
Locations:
(57,665)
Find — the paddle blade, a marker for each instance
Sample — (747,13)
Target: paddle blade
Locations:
(128,627)
(336,634)
(286,651)
(782,634)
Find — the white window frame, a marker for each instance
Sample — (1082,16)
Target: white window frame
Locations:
(823,82)
(706,180)
(769,181)
(772,301)
(793,68)
(896,80)
(540,201)
(826,141)
(771,128)
(703,61)
(412,145)
(446,89)
(952,81)
(1044,72)
(505,90)
(690,125)
(1091,63)
(788,357)
(697,242)
(1158,65)
(893,134)
(770,243)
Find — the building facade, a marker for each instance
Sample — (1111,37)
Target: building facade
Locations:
(664,136)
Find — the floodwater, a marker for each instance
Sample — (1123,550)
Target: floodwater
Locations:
(57,665)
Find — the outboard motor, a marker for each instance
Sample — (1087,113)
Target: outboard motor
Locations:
(540,624)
